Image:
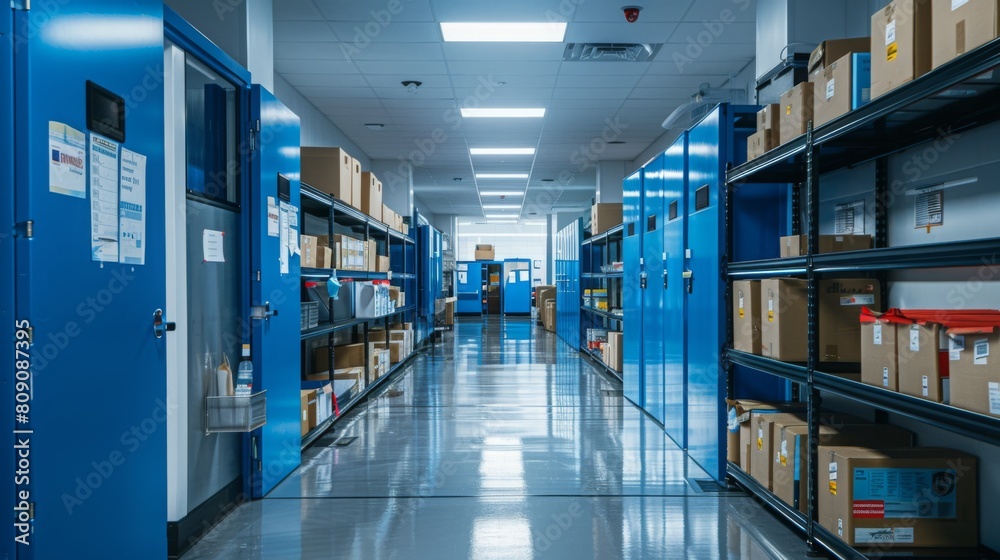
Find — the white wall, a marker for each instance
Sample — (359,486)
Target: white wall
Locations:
(260,42)
(510,242)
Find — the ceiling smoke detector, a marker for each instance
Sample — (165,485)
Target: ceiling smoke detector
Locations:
(611,52)
(411,86)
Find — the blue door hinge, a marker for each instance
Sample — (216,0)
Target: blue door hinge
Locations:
(25,229)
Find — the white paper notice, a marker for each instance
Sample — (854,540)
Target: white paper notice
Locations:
(213,245)
(272,217)
(283,248)
(981,351)
(523,275)
(103,199)
(994,398)
(293,229)
(462,277)
(67,160)
(512,277)
(133,208)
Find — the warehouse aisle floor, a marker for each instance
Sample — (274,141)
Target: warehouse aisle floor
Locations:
(501,443)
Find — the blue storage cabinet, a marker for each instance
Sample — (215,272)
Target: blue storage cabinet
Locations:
(671,285)
(568,298)
(632,362)
(651,285)
(517,286)
(715,142)
(429,274)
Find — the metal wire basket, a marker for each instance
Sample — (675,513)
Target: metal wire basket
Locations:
(236,414)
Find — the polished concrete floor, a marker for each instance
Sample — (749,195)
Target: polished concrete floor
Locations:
(499,443)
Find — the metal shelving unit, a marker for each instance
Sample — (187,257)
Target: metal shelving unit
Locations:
(601,313)
(344,219)
(923,110)
(597,253)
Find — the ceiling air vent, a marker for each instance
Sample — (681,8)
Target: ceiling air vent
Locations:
(611,52)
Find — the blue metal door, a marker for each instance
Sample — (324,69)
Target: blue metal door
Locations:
(273,450)
(517,287)
(469,288)
(7,316)
(713,144)
(672,284)
(653,260)
(94,430)
(632,370)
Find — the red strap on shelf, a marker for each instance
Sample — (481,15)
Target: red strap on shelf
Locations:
(891,316)
(336,407)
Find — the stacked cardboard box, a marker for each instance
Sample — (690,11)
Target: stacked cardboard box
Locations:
(308,246)
(612,353)
(768,135)
(543,294)
(604,216)
(333,171)
(746,316)
(549,316)
(842,85)
(738,424)
(307,406)
(960,26)
(796,107)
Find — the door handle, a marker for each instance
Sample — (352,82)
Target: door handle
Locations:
(261,312)
(689,281)
(665,276)
(159,326)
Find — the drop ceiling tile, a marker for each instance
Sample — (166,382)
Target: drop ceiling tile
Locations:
(415,102)
(587,68)
(698,67)
(729,10)
(326,80)
(591,81)
(359,34)
(592,93)
(399,92)
(585,104)
(335,92)
(396,80)
(295,50)
(383,13)
(286,10)
(502,96)
(398,52)
(411,67)
(664,93)
(300,66)
(503,51)
(304,31)
(619,32)
(511,81)
(337,103)
(500,68)
(509,10)
(661,11)
(709,33)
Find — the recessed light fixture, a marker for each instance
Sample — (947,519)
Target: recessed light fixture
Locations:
(500,216)
(503,112)
(501,193)
(502,151)
(503,32)
(375,126)
(501,206)
(501,175)
(501,221)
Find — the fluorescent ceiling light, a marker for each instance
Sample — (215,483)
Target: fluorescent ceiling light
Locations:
(501,175)
(507,32)
(501,206)
(499,216)
(494,112)
(501,221)
(501,193)
(502,151)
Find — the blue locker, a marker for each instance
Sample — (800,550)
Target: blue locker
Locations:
(652,294)
(632,370)
(7,317)
(568,298)
(275,345)
(469,288)
(672,286)
(98,372)
(714,143)
(429,271)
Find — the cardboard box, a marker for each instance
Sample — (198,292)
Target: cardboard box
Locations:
(796,111)
(304,410)
(604,216)
(879,366)
(960,26)
(834,49)
(922,358)
(840,303)
(344,357)
(308,248)
(841,87)
(356,184)
(613,351)
(783,319)
(975,381)
(746,316)
(797,245)
(381,361)
(370,249)
(404,336)
(544,293)
(325,257)
(382,264)
(738,425)
(901,44)
(329,170)
(371,195)
(762,442)
(759,143)
(397,351)
(550,315)
(790,480)
(485,253)
(769,118)
(388,216)
(921,497)
(395,294)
